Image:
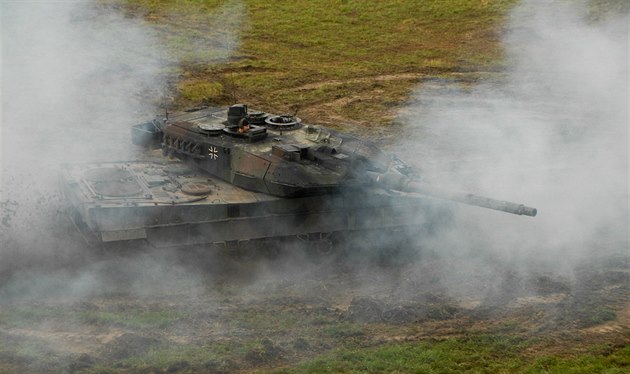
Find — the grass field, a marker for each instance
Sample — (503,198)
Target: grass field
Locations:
(352,61)
(330,316)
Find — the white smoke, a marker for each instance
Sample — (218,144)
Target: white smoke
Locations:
(552,132)
(75,76)
(213,38)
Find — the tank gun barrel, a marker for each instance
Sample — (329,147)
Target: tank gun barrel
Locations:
(481,201)
(399,182)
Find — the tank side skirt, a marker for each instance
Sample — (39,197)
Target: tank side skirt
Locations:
(282,225)
(115,225)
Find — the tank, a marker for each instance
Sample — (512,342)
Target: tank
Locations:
(233,175)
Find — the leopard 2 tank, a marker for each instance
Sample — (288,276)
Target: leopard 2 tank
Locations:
(242,175)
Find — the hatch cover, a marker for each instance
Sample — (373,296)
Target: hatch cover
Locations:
(196,188)
(115,182)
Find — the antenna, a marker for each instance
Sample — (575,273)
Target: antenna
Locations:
(295,108)
(233,87)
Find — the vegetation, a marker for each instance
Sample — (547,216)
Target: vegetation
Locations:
(479,354)
(359,59)
(296,334)
(22,316)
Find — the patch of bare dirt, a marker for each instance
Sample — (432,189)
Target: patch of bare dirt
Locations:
(377,78)
(618,326)
(84,340)
(387,78)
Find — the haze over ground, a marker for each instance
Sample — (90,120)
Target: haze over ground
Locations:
(551,132)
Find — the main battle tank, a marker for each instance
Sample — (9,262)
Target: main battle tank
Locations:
(247,175)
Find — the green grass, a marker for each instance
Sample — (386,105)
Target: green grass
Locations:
(478,354)
(280,45)
(166,355)
(617,361)
(454,355)
(27,316)
(26,352)
(343,330)
(600,315)
(133,319)
(278,320)
(21,316)
(260,337)
(199,91)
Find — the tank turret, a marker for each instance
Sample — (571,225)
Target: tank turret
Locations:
(280,156)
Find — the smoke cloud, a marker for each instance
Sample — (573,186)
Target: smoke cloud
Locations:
(75,76)
(552,132)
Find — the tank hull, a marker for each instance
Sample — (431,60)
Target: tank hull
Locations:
(168,204)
